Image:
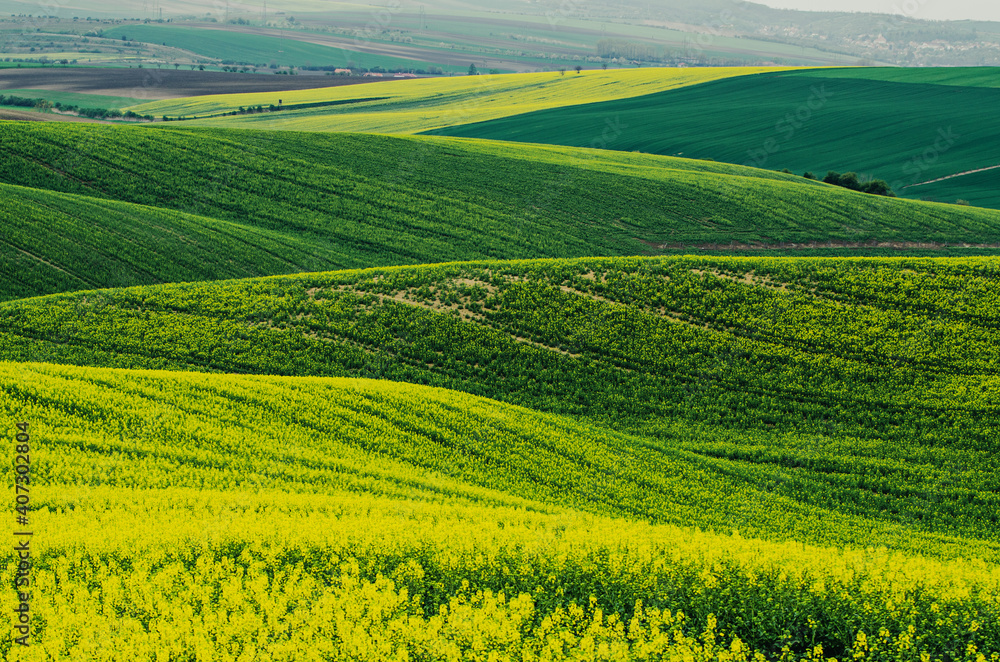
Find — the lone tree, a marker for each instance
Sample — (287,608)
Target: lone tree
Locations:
(472,70)
(578,68)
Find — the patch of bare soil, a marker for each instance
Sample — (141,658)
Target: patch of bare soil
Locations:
(153,84)
(32,116)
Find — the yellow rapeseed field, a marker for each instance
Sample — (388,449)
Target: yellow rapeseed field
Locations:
(220,517)
(412,106)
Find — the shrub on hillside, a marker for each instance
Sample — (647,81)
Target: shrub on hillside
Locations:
(850,180)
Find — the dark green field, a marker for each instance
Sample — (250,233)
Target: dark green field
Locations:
(57,242)
(956,76)
(907,129)
(983,187)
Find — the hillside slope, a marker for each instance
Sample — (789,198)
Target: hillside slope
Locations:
(56,242)
(239,513)
(258,50)
(905,128)
(323,202)
(840,384)
(326,436)
(826,339)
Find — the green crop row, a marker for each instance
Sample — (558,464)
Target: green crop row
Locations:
(55,242)
(318,202)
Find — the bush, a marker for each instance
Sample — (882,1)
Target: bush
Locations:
(850,180)
(878,187)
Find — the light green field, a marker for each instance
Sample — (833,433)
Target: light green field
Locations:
(418,105)
(74,98)
(80,57)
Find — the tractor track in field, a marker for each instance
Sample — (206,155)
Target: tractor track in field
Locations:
(957,174)
(819,244)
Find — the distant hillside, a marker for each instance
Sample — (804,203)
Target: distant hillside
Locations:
(410,106)
(894,38)
(903,126)
(281,202)
(508,35)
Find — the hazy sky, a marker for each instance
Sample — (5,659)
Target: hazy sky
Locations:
(943,10)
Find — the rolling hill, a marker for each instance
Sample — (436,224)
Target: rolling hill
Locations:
(903,126)
(226,203)
(56,242)
(328,396)
(840,384)
(242,515)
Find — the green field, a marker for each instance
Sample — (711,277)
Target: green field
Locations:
(55,242)
(258,203)
(902,132)
(983,187)
(54,57)
(840,415)
(317,395)
(257,50)
(867,365)
(74,99)
(955,76)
